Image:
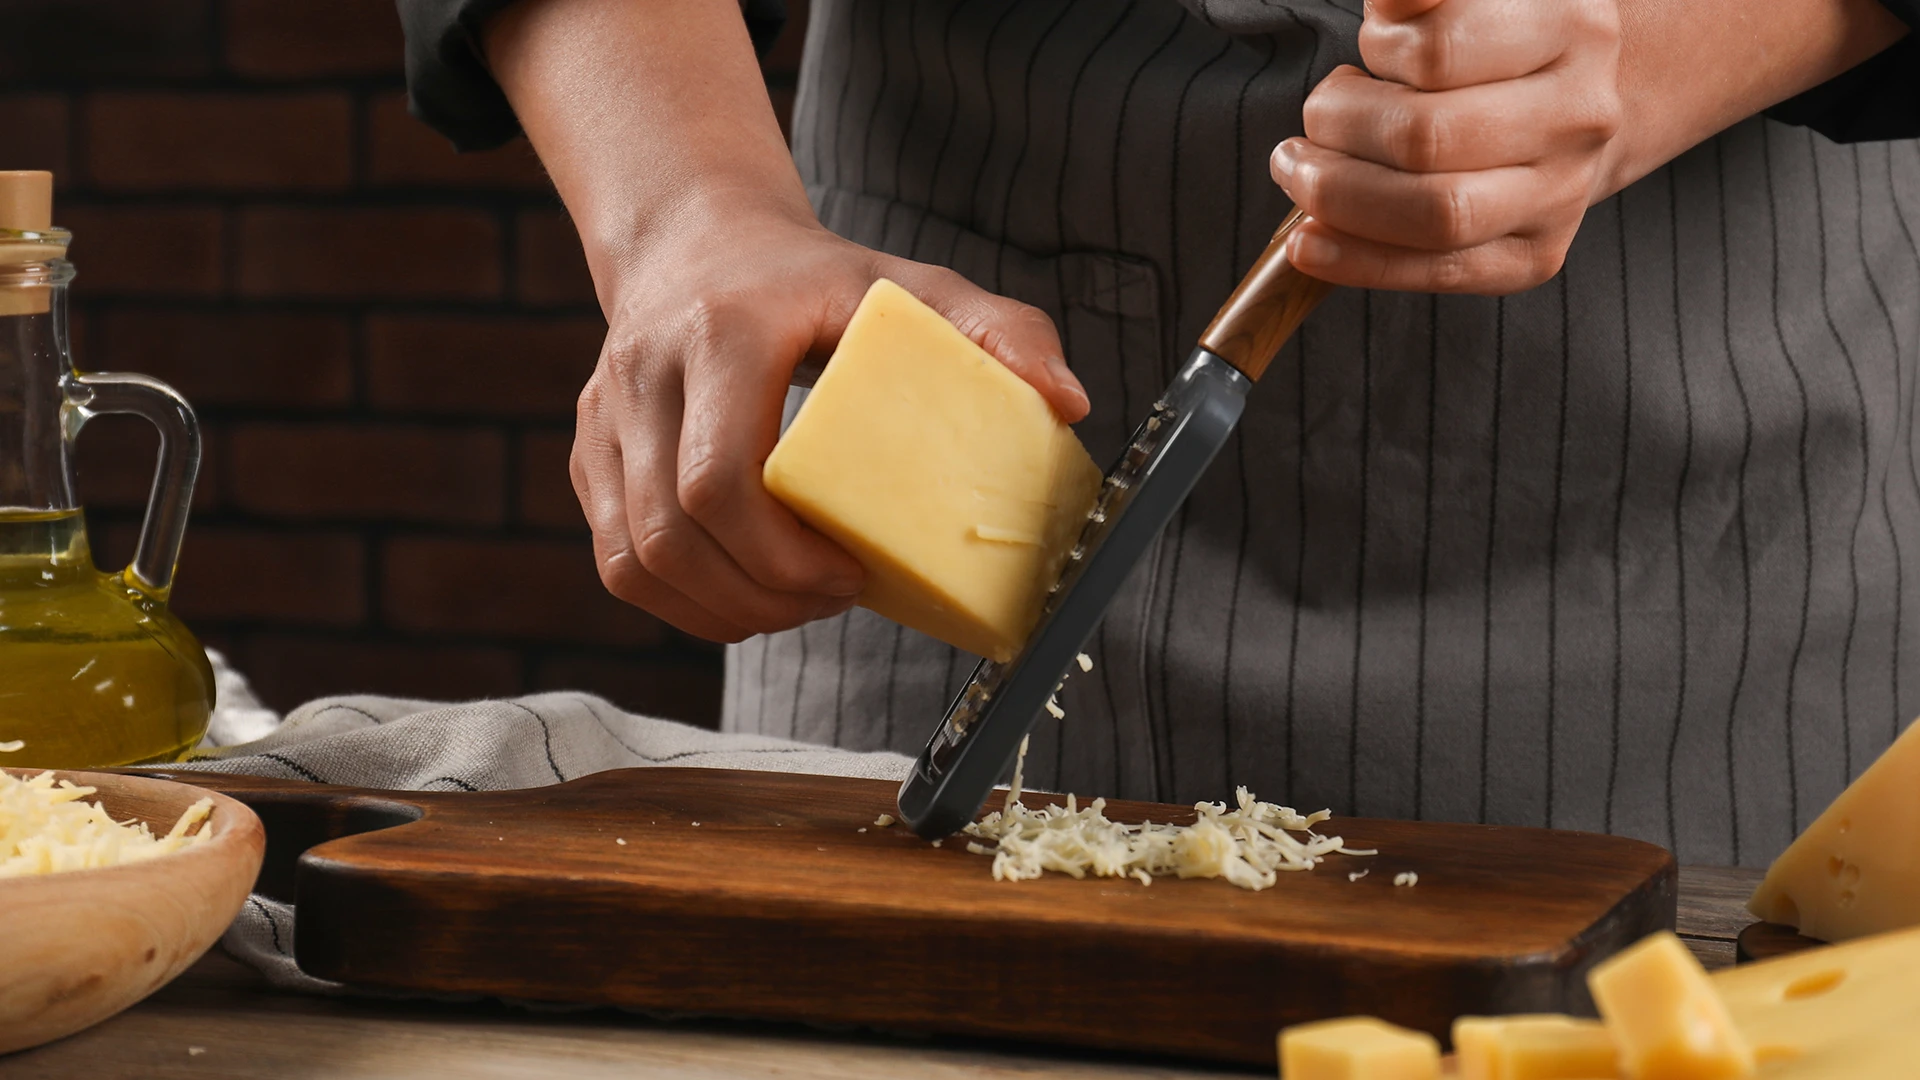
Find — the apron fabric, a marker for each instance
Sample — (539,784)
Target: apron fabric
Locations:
(1630,552)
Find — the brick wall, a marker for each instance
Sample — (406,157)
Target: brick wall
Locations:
(383,340)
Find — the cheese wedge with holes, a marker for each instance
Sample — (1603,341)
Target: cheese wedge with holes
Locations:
(1845,1012)
(1533,1047)
(1357,1048)
(947,476)
(1856,870)
(1665,1018)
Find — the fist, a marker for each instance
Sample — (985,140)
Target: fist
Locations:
(1464,158)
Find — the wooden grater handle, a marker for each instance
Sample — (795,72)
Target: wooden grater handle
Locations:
(1265,309)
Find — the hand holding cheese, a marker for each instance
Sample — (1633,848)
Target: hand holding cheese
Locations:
(717,281)
(950,479)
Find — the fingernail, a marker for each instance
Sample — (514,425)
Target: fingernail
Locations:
(1310,249)
(1283,161)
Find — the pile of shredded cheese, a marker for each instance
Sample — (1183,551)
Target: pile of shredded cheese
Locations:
(1249,845)
(46,828)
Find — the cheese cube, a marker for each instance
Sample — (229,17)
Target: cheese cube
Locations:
(947,476)
(1856,870)
(1848,1012)
(1540,1047)
(1357,1048)
(1665,1017)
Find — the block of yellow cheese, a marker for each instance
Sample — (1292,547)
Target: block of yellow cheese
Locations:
(1357,1048)
(947,476)
(1845,1012)
(1666,1019)
(1856,869)
(1533,1047)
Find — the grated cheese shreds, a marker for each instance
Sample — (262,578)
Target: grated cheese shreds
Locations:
(13,747)
(46,828)
(1249,845)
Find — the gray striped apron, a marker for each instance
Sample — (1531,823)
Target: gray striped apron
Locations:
(1627,552)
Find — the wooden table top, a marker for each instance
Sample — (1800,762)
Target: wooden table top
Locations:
(221,1020)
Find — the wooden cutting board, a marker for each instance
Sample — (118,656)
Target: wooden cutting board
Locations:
(751,894)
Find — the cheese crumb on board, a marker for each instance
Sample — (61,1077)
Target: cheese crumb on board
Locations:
(46,828)
(15,746)
(1357,1048)
(862,828)
(1356,875)
(883,820)
(620,840)
(1409,879)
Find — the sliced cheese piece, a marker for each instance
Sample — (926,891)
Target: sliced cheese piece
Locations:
(1664,1016)
(1357,1048)
(1536,1047)
(1847,1012)
(947,476)
(1856,870)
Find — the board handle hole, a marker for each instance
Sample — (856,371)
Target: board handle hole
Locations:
(1807,986)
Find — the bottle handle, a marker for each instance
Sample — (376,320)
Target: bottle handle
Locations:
(94,393)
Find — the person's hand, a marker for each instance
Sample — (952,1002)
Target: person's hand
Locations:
(1466,160)
(706,331)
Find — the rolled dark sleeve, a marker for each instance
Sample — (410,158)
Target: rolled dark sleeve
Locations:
(449,86)
(1876,101)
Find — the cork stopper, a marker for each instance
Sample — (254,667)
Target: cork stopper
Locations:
(26,205)
(26,200)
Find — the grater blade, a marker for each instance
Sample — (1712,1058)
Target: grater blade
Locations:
(975,743)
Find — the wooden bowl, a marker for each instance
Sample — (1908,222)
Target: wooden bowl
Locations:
(78,947)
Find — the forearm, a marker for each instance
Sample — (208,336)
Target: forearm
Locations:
(1692,68)
(643,113)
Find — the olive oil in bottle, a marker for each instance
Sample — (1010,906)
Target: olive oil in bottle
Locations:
(93,671)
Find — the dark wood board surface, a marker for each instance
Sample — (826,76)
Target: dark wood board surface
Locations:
(1764,941)
(776,906)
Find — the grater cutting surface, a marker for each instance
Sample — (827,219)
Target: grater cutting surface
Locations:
(975,744)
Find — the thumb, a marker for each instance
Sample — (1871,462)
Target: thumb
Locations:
(1019,335)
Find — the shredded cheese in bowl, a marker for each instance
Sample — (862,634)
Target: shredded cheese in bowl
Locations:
(46,828)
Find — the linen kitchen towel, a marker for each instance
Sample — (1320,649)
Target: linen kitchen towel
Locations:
(401,744)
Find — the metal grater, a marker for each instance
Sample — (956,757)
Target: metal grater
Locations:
(975,744)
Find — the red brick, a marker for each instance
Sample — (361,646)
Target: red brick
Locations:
(288,669)
(273,39)
(115,457)
(307,472)
(532,589)
(414,253)
(81,39)
(145,250)
(676,691)
(403,152)
(271,359)
(552,267)
(219,142)
(36,133)
(531,367)
(546,488)
(240,574)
